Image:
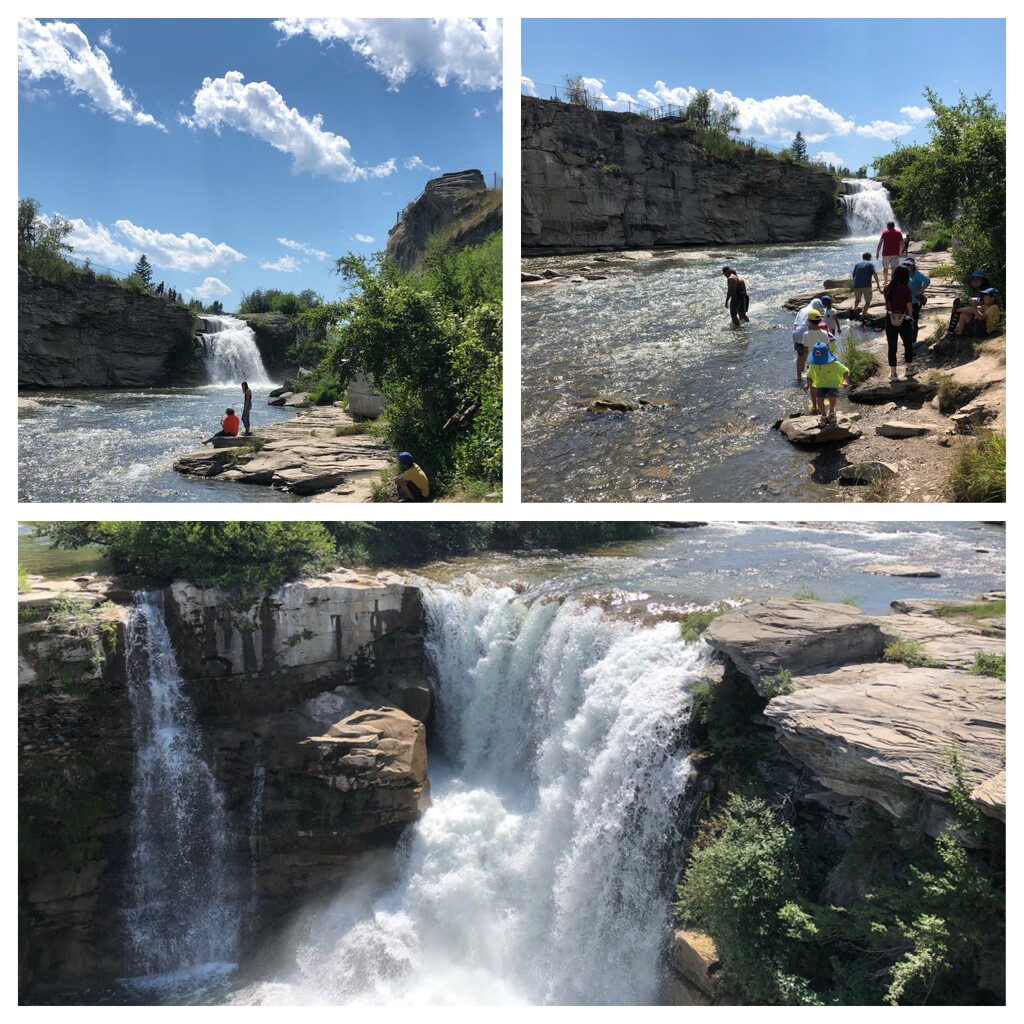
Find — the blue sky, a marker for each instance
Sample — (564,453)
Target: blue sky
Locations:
(241,153)
(850,86)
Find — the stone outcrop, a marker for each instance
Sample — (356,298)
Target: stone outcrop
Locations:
(601,180)
(809,430)
(275,334)
(870,732)
(458,207)
(99,335)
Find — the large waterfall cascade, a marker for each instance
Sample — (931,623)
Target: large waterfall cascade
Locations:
(231,352)
(183,911)
(866,206)
(542,871)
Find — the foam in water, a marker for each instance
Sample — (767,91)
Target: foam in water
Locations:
(231,353)
(181,915)
(866,206)
(542,871)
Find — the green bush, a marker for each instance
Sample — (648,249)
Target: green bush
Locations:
(861,364)
(979,471)
(986,664)
(693,624)
(908,652)
(778,684)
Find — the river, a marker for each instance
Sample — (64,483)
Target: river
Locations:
(659,329)
(542,872)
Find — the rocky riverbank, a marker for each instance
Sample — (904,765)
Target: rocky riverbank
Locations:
(856,733)
(904,437)
(321,454)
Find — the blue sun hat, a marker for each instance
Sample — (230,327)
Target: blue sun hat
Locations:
(405,459)
(826,300)
(821,355)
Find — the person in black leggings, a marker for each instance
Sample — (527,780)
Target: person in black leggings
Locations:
(899,306)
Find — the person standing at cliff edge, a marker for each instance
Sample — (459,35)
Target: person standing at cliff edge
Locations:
(736,298)
(890,245)
(246,407)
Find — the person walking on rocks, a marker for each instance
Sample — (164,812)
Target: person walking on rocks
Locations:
(863,273)
(800,325)
(890,245)
(736,298)
(830,318)
(899,320)
(246,407)
(918,282)
(825,376)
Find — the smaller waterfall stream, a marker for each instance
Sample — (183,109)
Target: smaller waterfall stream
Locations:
(866,206)
(231,352)
(182,914)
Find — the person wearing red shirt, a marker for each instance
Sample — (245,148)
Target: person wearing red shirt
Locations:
(890,245)
(228,426)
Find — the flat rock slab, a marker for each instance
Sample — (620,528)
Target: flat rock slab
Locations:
(902,570)
(902,428)
(231,442)
(871,393)
(808,430)
(942,641)
(885,739)
(794,634)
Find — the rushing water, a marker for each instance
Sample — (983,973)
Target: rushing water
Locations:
(542,871)
(120,445)
(866,206)
(659,329)
(231,353)
(182,913)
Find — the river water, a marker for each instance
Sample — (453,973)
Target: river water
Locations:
(659,329)
(120,445)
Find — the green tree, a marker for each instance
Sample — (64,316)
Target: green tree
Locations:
(701,114)
(143,270)
(42,242)
(798,147)
(576,91)
(959,178)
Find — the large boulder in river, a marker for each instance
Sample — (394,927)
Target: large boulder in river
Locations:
(808,430)
(795,635)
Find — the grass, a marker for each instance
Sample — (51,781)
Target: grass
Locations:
(861,364)
(979,471)
(945,270)
(351,429)
(257,444)
(977,610)
(693,624)
(989,665)
(777,685)
(909,652)
(24,586)
(882,489)
(950,394)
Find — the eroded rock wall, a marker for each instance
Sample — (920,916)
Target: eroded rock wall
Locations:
(99,335)
(601,180)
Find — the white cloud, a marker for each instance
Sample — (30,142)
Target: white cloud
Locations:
(917,113)
(365,239)
(527,86)
(178,252)
(258,109)
(303,248)
(211,288)
(886,130)
(287,264)
(60,49)
(410,163)
(827,157)
(479,111)
(466,51)
(97,244)
(107,42)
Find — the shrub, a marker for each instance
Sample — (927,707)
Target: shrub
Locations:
(986,664)
(693,624)
(979,471)
(908,652)
(24,585)
(950,394)
(861,364)
(778,684)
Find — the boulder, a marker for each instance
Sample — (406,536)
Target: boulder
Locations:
(524,276)
(882,391)
(795,635)
(808,430)
(610,405)
(694,957)
(866,472)
(898,569)
(902,428)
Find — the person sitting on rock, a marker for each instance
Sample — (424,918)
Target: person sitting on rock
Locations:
(825,376)
(980,318)
(978,283)
(799,330)
(412,483)
(228,427)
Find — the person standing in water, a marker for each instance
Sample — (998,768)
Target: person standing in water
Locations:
(246,407)
(736,298)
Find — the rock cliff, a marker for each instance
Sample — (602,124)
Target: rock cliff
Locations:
(99,335)
(317,690)
(601,180)
(275,334)
(458,206)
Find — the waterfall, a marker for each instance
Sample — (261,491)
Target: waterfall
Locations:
(231,352)
(866,206)
(182,915)
(542,871)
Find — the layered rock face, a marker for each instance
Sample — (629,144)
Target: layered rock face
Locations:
(601,180)
(871,732)
(102,336)
(312,701)
(458,206)
(275,334)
